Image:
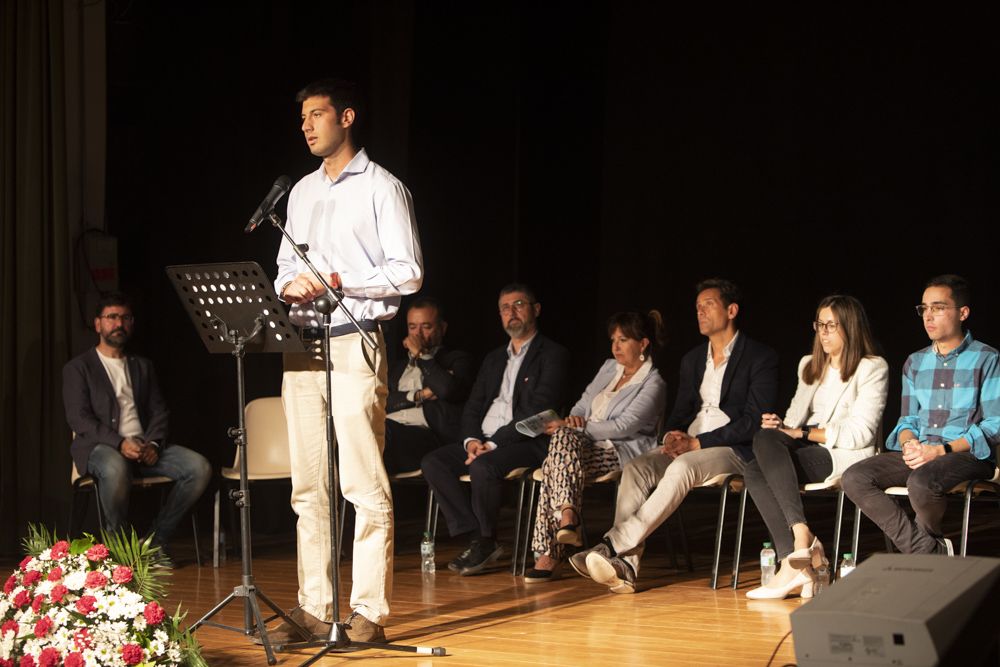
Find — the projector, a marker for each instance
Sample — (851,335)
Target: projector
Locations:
(907,610)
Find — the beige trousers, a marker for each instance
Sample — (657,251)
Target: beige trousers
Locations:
(653,486)
(358,408)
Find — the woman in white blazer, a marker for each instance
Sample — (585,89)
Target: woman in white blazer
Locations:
(833,422)
(613,422)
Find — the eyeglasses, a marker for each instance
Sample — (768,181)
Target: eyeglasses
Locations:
(518,305)
(127,318)
(935,308)
(828,327)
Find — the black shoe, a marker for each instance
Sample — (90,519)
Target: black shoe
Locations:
(481,555)
(462,559)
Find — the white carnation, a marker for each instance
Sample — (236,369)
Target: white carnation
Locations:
(139,623)
(75,580)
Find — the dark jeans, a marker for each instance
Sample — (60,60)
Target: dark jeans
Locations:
(444,466)
(406,446)
(865,481)
(780,465)
(190,471)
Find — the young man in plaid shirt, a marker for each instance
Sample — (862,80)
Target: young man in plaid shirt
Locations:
(949,422)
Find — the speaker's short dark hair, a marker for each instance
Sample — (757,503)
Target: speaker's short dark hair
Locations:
(728,290)
(343,94)
(108,299)
(519,287)
(961,291)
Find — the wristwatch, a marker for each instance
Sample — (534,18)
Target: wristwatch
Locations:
(805,432)
(947,447)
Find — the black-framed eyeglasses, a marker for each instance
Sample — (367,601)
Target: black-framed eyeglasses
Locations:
(518,305)
(935,308)
(127,318)
(828,327)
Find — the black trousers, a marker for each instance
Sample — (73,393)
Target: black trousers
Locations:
(476,512)
(780,465)
(865,481)
(406,446)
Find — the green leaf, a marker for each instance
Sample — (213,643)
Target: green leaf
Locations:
(38,539)
(149,574)
(81,544)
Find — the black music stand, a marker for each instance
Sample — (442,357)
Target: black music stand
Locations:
(234,310)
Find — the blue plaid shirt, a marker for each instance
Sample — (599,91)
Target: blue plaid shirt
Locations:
(952,396)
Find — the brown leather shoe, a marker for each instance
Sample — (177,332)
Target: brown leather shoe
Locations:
(286,633)
(360,629)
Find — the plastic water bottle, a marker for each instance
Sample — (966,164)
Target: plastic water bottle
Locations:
(822,578)
(767,562)
(847,565)
(427,554)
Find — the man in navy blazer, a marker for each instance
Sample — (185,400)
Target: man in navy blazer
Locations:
(726,384)
(114,406)
(518,380)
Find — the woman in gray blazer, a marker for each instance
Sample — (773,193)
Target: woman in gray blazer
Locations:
(833,422)
(613,422)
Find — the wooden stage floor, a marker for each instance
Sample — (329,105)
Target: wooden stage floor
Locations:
(492,619)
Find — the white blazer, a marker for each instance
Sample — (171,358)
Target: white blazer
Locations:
(854,422)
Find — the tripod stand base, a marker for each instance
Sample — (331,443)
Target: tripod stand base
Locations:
(340,642)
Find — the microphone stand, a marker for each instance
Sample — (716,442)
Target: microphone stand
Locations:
(338,639)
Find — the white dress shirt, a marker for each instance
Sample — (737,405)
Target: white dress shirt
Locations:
(826,396)
(411,381)
(361,226)
(599,406)
(501,411)
(711,416)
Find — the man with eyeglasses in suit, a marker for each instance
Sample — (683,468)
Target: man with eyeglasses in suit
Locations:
(949,422)
(515,381)
(114,406)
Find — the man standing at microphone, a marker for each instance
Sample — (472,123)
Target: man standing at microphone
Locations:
(358,221)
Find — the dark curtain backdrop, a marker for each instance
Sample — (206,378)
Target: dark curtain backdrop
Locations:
(610,154)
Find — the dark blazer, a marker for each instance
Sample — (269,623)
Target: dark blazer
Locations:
(541,384)
(749,389)
(449,375)
(92,409)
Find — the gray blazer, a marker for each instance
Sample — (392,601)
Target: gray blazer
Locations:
(632,415)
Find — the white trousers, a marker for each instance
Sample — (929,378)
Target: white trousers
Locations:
(358,407)
(653,486)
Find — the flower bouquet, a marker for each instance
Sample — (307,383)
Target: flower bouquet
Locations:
(88,603)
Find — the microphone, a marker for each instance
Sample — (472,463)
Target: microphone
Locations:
(278,190)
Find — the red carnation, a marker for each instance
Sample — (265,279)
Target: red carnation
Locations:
(122,574)
(132,654)
(58,593)
(30,578)
(98,552)
(49,657)
(24,563)
(81,639)
(22,599)
(95,579)
(60,549)
(85,604)
(9,626)
(10,584)
(43,626)
(74,660)
(6,662)
(36,604)
(154,613)
(27,661)
(55,574)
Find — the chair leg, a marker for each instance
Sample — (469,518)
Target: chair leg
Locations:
(215,529)
(518,518)
(965,517)
(837,521)
(723,495)
(525,544)
(197,546)
(739,537)
(431,509)
(857,534)
(77,513)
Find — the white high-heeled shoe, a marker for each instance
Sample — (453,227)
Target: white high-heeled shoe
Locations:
(812,556)
(802,583)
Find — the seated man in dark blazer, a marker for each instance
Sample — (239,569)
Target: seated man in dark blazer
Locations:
(518,380)
(426,390)
(114,406)
(726,384)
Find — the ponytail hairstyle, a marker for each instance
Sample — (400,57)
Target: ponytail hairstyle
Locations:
(637,326)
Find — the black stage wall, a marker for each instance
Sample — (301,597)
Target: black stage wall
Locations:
(609,154)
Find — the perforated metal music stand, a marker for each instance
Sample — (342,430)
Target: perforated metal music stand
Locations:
(234,310)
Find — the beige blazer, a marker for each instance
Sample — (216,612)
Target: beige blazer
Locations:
(854,423)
